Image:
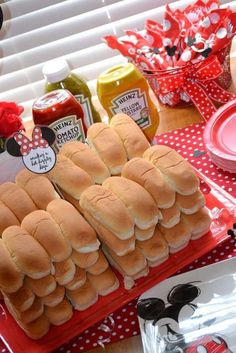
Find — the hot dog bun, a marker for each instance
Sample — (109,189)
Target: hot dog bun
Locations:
(134,141)
(78,280)
(137,200)
(178,236)
(199,222)
(47,232)
(17,200)
(84,297)
(28,254)
(108,209)
(64,271)
(152,179)
(84,260)
(69,177)
(11,277)
(74,227)
(59,314)
(106,142)
(170,216)
(155,248)
(128,265)
(37,328)
(176,169)
(119,246)
(55,297)
(85,158)
(7,218)
(43,286)
(144,234)
(191,203)
(38,187)
(104,283)
(22,299)
(100,266)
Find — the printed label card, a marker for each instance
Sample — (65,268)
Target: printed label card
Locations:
(37,154)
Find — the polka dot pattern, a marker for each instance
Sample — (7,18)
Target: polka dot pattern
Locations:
(217,93)
(186,56)
(221,33)
(184,143)
(206,22)
(216,68)
(166,25)
(200,99)
(214,17)
(26,145)
(125,319)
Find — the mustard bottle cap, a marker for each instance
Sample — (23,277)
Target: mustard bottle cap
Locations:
(116,76)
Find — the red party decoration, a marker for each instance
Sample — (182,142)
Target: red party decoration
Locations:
(186,58)
(10,120)
(26,145)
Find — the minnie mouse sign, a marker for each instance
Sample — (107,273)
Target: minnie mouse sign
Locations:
(181,316)
(37,154)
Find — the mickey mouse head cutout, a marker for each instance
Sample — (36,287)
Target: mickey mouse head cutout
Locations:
(169,337)
(37,154)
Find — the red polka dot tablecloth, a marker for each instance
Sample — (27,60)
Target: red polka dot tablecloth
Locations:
(123,323)
(189,143)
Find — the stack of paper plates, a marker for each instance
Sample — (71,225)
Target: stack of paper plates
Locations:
(220,137)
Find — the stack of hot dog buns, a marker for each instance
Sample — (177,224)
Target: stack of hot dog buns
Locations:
(50,263)
(179,223)
(126,204)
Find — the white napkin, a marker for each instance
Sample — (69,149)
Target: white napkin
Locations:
(9,167)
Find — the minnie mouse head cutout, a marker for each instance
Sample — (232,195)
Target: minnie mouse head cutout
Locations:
(166,318)
(37,154)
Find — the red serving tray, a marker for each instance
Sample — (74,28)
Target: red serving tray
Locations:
(17,342)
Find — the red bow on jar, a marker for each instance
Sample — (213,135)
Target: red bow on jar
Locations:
(26,145)
(197,82)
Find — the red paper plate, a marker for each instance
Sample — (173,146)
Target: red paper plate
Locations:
(219,137)
(223,209)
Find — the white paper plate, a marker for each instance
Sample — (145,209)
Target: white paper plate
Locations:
(194,312)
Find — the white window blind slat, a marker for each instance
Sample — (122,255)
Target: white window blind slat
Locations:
(76,24)
(51,14)
(34,73)
(77,42)
(12,9)
(53,32)
(34,90)
(74,43)
(37,31)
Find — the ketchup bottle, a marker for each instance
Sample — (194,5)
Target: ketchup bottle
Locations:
(63,113)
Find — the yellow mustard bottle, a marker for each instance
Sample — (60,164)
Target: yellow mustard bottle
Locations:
(123,89)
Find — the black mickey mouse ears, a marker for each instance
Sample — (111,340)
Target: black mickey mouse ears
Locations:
(150,308)
(183,293)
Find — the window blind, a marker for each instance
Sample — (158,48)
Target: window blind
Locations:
(34,32)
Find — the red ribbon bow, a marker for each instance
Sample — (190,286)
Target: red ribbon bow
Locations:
(198,81)
(27,145)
